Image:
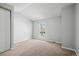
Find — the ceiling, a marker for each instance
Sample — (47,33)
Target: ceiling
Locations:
(38,11)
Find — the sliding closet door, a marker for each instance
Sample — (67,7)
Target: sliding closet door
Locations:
(4,29)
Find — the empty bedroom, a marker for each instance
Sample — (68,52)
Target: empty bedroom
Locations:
(39,29)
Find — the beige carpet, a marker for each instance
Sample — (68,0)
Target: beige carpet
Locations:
(38,48)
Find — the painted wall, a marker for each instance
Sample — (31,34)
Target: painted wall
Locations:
(77,27)
(59,29)
(53,29)
(22,28)
(68,27)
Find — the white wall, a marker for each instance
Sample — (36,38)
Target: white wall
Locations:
(68,27)
(77,27)
(59,29)
(22,28)
(53,28)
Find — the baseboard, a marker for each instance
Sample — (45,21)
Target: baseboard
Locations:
(20,41)
(58,42)
(53,41)
(77,52)
(68,48)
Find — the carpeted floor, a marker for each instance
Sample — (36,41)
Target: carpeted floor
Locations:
(38,48)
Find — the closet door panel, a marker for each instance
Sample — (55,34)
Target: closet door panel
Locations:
(4,29)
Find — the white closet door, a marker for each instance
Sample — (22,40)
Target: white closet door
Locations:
(4,30)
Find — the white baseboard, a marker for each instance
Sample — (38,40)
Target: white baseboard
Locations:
(77,52)
(49,40)
(58,42)
(71,49)
(53,41)
(68,48)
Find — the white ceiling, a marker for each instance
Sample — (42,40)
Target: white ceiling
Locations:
(37,11)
